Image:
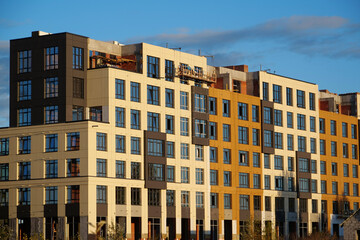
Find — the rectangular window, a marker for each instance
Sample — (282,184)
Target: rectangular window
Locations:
(291,164)
(243,135)
(279,162)
(51,195)
(170,149)
(214,200)
(322,125)
(184,100)
(267,203)
(226,156)
(322,147)
(354,151)
(212,106)
(279,183)
(169,121)
(213,177)
(101,194)
(100,167)
(77,113)
(278,137)
(323,187)
(244,180)
(51,169)
(346,189)
(323,167)
(169,98)
(135,170)
(355,189)
(267,115)
(213,154)
(73,167)
(212,130)
(24,88)
(156,172)
(170,173)
(256,181)
(155,147)
(313,186)
(169,70)
(301,122)
(78,88)
(256,159)
(185,198)
(184,175)
(353,131)
(24,171)
(257,203)
(333,127)
(256,137)
(344,129)
(120,169)
(291,185)
(227,201)
(334,188)
(73,141)
(300,98)
(244,202)
(346,170)
(119,89)
(313,145)
(333,149)
(51,114)
(135,196)
(313,166)
(135,119)
(301,144)
(184,126)
(120,195)
(153,122)
(199,153)
(289,96)
(278,117)
(291,204)
(51,58)
(200,128)
(345,150)
(184,151)
(266,161)
(290,142)
(4,146)
(24,196)
(265,91)
(268,141)
(153,95)
(255,113)
(227,178)
(226,132)
(226,108)
(120,143)
(135,92)
(277,94)
(242,111)
(290,120)
(199,199)
(314,204)
(51,143)
(312,124)
(25,145)
(24,61)
(200,103)
(199,176)
(78,58)
(135,145)
(152,67)
(73,194)
(267,183)
(120,117)
(304,165)
(304,185)
(355,171)
(312,101)
(101,143)
(24,117)
(334,169)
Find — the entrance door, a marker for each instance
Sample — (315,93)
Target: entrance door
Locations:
(228,229)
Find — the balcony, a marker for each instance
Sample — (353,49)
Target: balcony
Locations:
(185,72)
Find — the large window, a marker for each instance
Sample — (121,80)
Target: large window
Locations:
(279,183)
(153,95)
(120,195)
(301,122)
(200,103)
(289,96)
(51,195)
(24,117)
(169,121)
(135,196)
(278,162)
(169,98)
(333,127)
(304,185)
(226,108)
(135,145)
(152,67)
(184,126)
(200,128)
(278,117)
(135,170)
(154,197)
(226,156)
(184,100)
(268,115)
(300,96)
(73,141)
(156,172)
(25,145)
(227,178)
(51,114)
(119,89)
(278,137)
(226,132)
(135,92)
(199,176)
(24,196)
(312,101)
(169,70)
(51,87)
(101,142)
(51,143)
(4,172)
(243,135)
(184,151)
(255,113)
(51,169)
(24,90)
(24,61)
(153,122)
(120,169)
(120,143)
(4,146)
(51,58)
(244,202)
(73,194)
(268,138)
(244,180)
(301,144)
(78,58)
(120,117)
(135,119)
(155,147)
(212,106)
(242,111)
(73,167)
(304,165)
(265,91)
(184,175)
(277,93)
(24,170)
(101,194)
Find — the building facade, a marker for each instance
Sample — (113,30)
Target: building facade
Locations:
(93,142)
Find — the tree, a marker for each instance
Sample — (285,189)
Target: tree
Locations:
(5,232)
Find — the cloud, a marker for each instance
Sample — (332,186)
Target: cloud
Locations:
(327,36)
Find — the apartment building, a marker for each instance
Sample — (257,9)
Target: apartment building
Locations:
(166,146)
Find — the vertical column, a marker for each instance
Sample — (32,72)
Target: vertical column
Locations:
(128,213)
(163,215)
(144,214)
(178,211)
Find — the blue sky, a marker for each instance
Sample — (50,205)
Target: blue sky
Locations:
(316,41)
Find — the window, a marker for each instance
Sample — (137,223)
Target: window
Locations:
(312,101)
(120,143)
(214,200)
(322,125)
(226,133)
(199,199)
(226,156)
(243,135)
(313,145)
(119,89)
(24,61)
(268,138)
(345,150)
(304,165)
(346,189)
(278,117)
(265,91)
(334,188)
(257,202)
(24,90)
(212,130)
(24,196)
(101,194)
(24,171)
(212,105)
(51,114)
(73,141)
(312,124)
(354,151)
(184,175)
(24,117)
(153,122)
(267,182)
(169,70)
(313,166)
(278,140)
(77,113)
(300,98)
(323,167)
(355,171)
(152,67)
(291,204)
(78,88)
(73,194)
(200,103)
(51,58)
(51,195)
(304,185)
(333,127)
(279,162)
(199,176)
(156,172)
(277,98)
(334,169)
(344,129)
(153,95)
(170,173)
(51,143)
(255,113)
(256,159)
(25,145)
(120,169)
(290,120)
(291,164)
(184,150)
(301,144)
(101,167)
(200,126)
(135,145)
(135,92)
(213,177)
(313,186)
(290,142)
(256,181)
(353,131)
(184,100)
(227,201)
(135,196)
(169,98)
(266,161)
(355,189)
(51,169)
(227,178)
(267,203)
(322,147)
(185,198)
(213,154)
(120,195)
(135,119)
(267,115)
(78,58)
(289,96)
(279,183)
(169,121)
(243,158)
(346,170)
(242,111)
(120,117)
(155,147)
(184,126)
(244,180)
(4,146)
(135,170)
(101,141)
(170,150)
(226,108)
(170,198)
(244,202)
(96,113)
(335,207)
(73,167)
(333,149)
(291,184)
(323,187)
(301,122)
(199,153)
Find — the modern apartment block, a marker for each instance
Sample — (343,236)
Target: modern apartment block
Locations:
(93,142)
